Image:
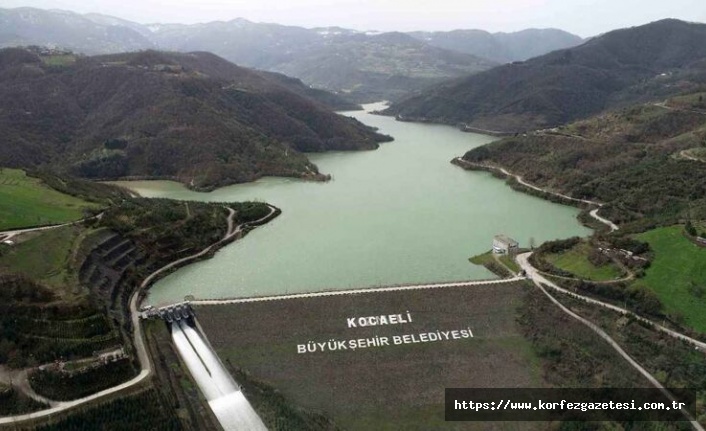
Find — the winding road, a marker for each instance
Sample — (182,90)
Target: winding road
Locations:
(541,282)
(139,340)
(8,234)
(601,333)
(593,213)
(233,230)
(684,154)
(538,279)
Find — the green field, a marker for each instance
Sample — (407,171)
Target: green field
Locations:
(482,259)
(575,260)
(26,201)
(45,256)
(60,60)
(510,263)
(678,274)
(499,264)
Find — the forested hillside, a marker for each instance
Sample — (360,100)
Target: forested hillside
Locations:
(645,161)
(617,69)
(195,118)
(364,68)
(359,65)
(501,47)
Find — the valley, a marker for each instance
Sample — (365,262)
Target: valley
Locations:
(216,224)
(414,193)
(615,70)
(360,66)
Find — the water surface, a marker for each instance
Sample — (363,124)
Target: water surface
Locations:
(399,214)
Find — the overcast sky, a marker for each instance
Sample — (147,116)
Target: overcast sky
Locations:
(583,17)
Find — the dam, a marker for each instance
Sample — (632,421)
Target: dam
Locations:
(223,394)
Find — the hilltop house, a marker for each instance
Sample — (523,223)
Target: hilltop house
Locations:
(503,244)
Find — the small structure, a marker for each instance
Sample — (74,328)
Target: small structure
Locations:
(503,244)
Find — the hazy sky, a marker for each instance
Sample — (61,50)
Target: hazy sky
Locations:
(583,17)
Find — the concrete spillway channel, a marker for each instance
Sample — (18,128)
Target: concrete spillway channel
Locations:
(228,403)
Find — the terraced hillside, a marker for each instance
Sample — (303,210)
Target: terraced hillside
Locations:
(65,327)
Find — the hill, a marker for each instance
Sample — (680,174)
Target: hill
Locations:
(616,69)
(191,117)
(27,201)
(501,47)
(326,98)
(637,160)
(101,35)
(363,67)
(379,67)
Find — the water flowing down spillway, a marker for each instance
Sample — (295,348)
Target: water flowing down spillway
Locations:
(228,403)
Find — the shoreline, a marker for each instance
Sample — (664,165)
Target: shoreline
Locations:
(592,207)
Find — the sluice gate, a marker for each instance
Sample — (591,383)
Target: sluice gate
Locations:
(223,394)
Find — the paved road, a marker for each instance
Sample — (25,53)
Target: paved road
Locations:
(601,333)
(230,233)
(540,282)
(664,105)
(19,380)
(537,277)
(71,404)
(685,155)
(593,213)
(7,234)
(139,340)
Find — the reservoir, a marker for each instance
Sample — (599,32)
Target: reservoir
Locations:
(401,214)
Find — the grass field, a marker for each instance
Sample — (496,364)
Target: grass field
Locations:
(575,260)
(26,201)
(678,274)
(510,263)
(501,265)
(382,388)
(46,256)
(482,259)
(59,60)
(490,257)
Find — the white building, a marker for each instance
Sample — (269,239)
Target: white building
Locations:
(503,244)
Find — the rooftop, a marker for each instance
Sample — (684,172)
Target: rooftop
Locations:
(506,240)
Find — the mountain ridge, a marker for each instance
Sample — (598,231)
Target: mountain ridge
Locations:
(619,68)
(393,63)
(503,47)
(191,117)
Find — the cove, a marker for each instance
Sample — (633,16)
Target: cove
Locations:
(401,214)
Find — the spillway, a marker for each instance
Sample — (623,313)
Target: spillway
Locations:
(228,403)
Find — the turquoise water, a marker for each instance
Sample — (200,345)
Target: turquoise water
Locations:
(399,214)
